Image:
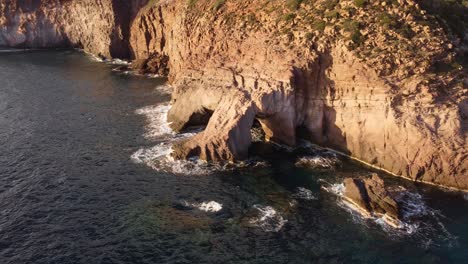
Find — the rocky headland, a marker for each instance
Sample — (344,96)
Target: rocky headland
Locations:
(382,81)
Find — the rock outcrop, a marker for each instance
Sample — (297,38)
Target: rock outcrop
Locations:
(100,27)
(371,198)
(359,79)
(235,64)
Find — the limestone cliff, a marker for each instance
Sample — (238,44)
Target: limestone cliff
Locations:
(100,27)
(237,61)
(361,77)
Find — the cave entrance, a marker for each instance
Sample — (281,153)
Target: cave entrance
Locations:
(198,120)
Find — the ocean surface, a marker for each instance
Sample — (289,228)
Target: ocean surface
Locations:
(86,177)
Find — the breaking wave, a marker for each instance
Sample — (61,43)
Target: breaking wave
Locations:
(304,194)
(209,207)
(157,124)
(418,219)
(159,159)
(107,61)
(267,218)
(327,160)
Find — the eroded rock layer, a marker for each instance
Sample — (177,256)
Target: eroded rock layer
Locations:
(241,72)
(100,27)
(346,77)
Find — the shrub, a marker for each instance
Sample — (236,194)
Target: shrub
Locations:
(360,3)
(289,17)
(294,4)
(387,20)
(332,14)
(319,25)
(191,3)
(218,4)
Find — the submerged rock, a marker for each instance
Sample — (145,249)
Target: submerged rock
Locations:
(372,199)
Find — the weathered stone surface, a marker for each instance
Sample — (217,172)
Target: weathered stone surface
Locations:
(100,27)
(156,64)
(371,197)
(229,71)
(405,126)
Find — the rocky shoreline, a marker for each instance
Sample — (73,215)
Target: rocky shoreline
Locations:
(343,77)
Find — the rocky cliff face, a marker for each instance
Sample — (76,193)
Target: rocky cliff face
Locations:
(359,79)
(100,27)
(241,62)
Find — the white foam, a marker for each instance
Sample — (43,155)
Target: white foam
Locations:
(412,204)
(210,207)
(108,61)
(157,124)
(159,159)
(148,155)
(337,188)
(118,62)
(95,58)
(417,218)
(386,222)
(268,219)
(304,194)
(164,89)
(153,75)
(325,162)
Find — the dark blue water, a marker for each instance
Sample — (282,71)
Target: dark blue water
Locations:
(71,193)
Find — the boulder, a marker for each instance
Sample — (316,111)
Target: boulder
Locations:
(372,199)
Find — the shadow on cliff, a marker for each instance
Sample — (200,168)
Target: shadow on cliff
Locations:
(125,12)
(315,99)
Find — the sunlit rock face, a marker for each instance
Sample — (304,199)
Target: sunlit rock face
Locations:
(234,64)
(236,74)
(100,27)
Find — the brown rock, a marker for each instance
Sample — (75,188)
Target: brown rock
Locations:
(226,76)
(100,27)
(372,198)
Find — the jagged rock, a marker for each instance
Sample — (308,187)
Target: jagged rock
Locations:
(338,98)
(225,76)
(372,198)
(156,63)
(100,27)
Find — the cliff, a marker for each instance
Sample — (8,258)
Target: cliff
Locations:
(100,27)
(383,82)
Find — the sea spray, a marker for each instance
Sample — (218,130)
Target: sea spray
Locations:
(418,219)
(267,219)
(157,124)
(322,161)
(304,194)
(209,207)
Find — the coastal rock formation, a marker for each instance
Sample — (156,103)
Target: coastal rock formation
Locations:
(233,64)
(363,80)
(100,27)
(371,198)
